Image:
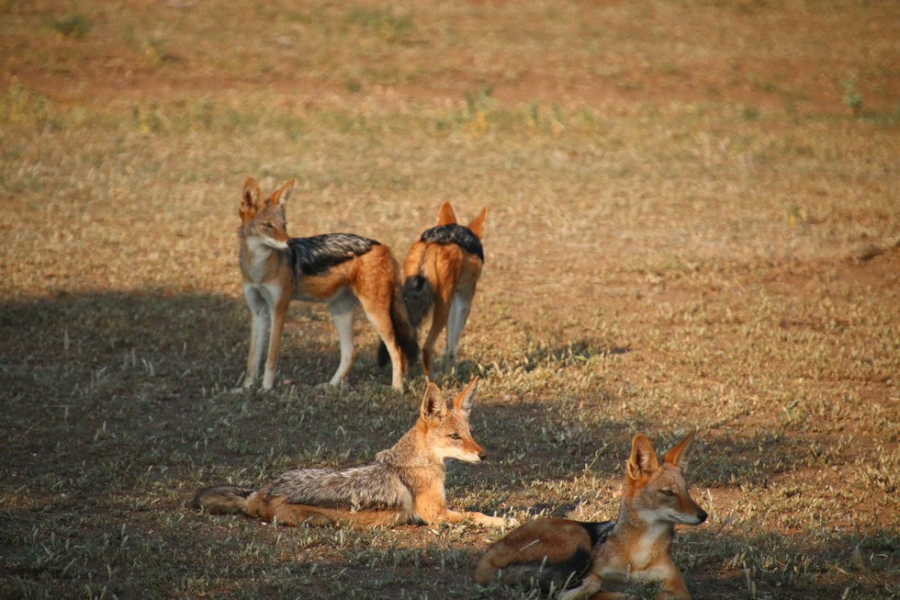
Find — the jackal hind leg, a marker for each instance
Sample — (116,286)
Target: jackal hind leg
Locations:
(378,311)
(456,321)
(439,318)
(295,514)
(381,320)
(341,309)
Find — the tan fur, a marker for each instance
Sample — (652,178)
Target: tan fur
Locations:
(477,224)
(270,284)
(553,540)
(639,546)
(412,469)
(453,275)
(286,513)
(446,215)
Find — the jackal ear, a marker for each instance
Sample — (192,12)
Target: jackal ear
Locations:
(463,401)
(477,224)
(250,197)
(281,195)
(680,454)
(433,405)
(446,216)
(642,461)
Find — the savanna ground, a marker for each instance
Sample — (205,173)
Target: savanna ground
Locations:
(694,223)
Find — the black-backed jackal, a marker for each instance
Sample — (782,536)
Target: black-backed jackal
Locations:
(405,483)
(440,275)
(599,557)
(339,269)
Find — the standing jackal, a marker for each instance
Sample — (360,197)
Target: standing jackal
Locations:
(404,485)
(339,269)
(603,556)
(440,276)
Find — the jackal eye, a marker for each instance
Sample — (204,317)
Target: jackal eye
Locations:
(455,436)
(267,225)
(667,492)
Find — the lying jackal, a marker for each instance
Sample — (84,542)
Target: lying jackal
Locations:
(405,483)
(602,556)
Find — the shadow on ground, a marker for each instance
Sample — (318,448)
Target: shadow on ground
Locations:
(116,407)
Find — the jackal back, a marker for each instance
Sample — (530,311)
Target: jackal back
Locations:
(317,254)
(455,234)
(373,486)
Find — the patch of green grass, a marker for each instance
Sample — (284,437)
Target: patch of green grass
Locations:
(852,98)
(71,25)
(389,26)
(153,48)
(22,106)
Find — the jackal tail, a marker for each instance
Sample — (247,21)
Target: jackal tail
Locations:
(222,499)
(405,332)
(551,553)
(418,296)
(544,575)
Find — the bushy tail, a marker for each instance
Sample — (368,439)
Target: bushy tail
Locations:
(221,499)
(547,576)
(418,296)
(404,332)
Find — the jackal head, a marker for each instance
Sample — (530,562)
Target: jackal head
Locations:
(657,492)
(446,430)
(263,220)
(446,216)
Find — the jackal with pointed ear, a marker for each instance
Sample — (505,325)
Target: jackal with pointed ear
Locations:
(597,558)
(440,276)
(340,269)
(404,485)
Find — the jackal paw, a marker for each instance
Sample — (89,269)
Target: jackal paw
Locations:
(491,521)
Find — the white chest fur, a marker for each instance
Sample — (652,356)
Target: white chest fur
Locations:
(256,256)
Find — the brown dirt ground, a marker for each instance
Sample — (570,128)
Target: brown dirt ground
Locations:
(651,61)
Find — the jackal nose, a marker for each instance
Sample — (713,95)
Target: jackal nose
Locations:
(482,456)
(702,515)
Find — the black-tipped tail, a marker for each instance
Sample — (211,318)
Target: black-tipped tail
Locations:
(220,499)
(565,573)
(418,298)
(383,357)
(549,576)
(404,332)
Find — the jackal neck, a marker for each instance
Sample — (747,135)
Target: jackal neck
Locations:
(631,523)
(411,451)
(257,258)
(643,544)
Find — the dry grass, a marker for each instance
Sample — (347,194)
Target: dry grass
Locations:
(693,223)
